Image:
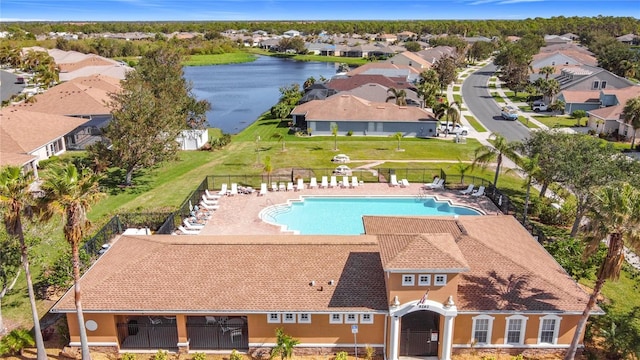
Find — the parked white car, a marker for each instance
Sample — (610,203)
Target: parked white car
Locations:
(450,129)
(341,158)
(539,106)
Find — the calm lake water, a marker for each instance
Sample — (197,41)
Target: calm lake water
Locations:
(240,93)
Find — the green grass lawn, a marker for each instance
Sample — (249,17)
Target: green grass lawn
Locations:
(497,97)
(527,123)
(492,86)
(520,97)
(556,121)
(475,123)
(621,293)
(457,98)
(456,88)
(219,59)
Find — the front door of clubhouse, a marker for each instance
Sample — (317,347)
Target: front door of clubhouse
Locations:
(419,334)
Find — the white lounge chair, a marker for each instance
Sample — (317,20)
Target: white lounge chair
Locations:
(188,232)
(324,183)
(478,192)
(300,184)
(313,183)
(290,186)
(345,182)
(404,183)
(274,186)
(354,182)
(234,189)
(282,187)
(438,185)
(210,195)
(394,180)
(263,189)
(468,190)
(434,182)
(209,207)
(334,182)
(209,202)
(192,226)
(223,190)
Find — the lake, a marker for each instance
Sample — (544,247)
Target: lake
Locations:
(240,93)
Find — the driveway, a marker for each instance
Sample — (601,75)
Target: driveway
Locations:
(9,86)
(478,100)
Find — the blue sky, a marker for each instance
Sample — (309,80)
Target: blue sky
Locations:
(223,10)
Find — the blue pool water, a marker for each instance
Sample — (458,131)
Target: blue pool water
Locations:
(343,215)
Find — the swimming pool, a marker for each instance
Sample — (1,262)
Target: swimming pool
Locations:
(342,215)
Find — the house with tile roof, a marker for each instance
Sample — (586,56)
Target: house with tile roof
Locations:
(362,117)
(409,286)
(27,137)
(411,59)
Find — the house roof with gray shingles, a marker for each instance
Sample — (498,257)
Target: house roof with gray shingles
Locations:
(351,108)
(234,274)
(352,82)
(87,95)
(509,270)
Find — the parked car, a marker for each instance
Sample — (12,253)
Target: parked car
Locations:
(342,170)
(509,113)
(341,158)
(539,105)
(457,129)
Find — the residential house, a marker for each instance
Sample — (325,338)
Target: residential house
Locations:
(362,117)
(192,139)
(608,119)
(386,38)
(630,39)
(584,77)
(388,69)
(379,93)
(291,33)
(409,286)
(556,39)
(73,64)
(411,59)
(560,59)
(83,97)
(432,55)
(352,82)
(407,36)
(579,100)
(28,137)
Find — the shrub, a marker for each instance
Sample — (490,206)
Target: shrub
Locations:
(235,355)
(14,342)
(342,355)
(43,164)
(129,356)
(200,356)
(369,352)
(161,355)
(350,133)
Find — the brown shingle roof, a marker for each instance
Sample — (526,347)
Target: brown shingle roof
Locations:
(235,274)
(437,252)
(581,96)
(87,95)
(350,83)
(31,130)
(509,270)
(351,108)
(363,69)
(608,113)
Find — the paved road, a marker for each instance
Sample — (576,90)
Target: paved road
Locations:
(9,86)
(480,103)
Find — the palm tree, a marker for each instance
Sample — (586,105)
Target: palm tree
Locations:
(334,132)
(449,111)
(70,192)
(551,89)
(268,168)
(531,168)
(16,201)
(400,96)
(462,168)
(614,214)
(546,71)
(501,146)
(398,137)
(631,113)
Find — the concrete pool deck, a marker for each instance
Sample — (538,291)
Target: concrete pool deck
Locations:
(238,215)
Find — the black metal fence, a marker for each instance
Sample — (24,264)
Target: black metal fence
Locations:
(139,335)
(507,207)
(216,337)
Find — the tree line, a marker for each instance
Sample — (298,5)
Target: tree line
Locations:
(613,26)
